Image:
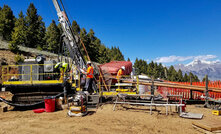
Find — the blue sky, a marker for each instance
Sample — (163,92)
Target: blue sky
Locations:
(167,31)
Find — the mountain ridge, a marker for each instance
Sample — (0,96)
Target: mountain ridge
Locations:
(202,68)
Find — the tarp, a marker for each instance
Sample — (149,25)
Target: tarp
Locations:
(113,67)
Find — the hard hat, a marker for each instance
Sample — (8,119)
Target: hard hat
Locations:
(123,67)
(88,62)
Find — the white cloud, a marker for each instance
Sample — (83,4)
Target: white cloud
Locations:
(174,58)
(205,57)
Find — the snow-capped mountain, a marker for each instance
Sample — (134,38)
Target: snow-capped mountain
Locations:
(201,68)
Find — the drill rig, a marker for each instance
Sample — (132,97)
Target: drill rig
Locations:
(30,82)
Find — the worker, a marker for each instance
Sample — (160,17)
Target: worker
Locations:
(120,72)
(62,66)
(119,75)
(89,78)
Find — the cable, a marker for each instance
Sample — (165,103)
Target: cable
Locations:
(26,105)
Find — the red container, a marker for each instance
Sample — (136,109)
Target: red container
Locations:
(40,110)
(49,104)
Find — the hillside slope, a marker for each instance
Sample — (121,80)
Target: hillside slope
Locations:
(6,54)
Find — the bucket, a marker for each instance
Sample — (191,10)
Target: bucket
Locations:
(49,104)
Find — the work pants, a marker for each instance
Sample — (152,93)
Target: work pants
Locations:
(88,85)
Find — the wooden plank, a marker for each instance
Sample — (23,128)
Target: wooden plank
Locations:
(210,125)
(201,130)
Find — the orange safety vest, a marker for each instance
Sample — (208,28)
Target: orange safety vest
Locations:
(90,72)
(119,73)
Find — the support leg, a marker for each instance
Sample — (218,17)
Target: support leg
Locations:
(115,103)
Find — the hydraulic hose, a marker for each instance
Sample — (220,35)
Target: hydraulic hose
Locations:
(26,105)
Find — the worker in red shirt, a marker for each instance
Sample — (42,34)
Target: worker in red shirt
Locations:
(89,77)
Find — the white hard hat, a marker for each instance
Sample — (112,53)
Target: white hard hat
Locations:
(123,67)
(88,62)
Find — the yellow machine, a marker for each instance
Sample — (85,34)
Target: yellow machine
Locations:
(33,80)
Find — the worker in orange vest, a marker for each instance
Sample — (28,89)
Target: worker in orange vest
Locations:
(119,75)
(120,72)
(89,77)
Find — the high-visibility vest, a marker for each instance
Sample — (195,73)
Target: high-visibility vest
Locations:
(90,72)
(62,66)
(119,73)
(65,66)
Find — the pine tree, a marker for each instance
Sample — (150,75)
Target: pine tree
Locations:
(191,76)
(128,59)
(161,71)
(172,74)
(93,46)
(179,76)
(7,22)
(103,52)
(186,78)
(53,38)
(196,79)
(41,34)
(150,69)
(19,34)
(32,26)
(166,73)
(85,40)
(116,54)
(204,79)
(156,71)
(137,67)
(75,27)
(140,66)
(143,66)
(89,42)
(35,28)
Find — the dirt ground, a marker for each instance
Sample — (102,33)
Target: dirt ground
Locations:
(103,120)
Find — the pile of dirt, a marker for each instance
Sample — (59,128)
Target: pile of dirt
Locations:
(104,120)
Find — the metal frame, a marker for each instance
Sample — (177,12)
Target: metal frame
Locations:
(151,104)
(26,82)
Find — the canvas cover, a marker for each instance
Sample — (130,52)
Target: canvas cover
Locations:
(113,67)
